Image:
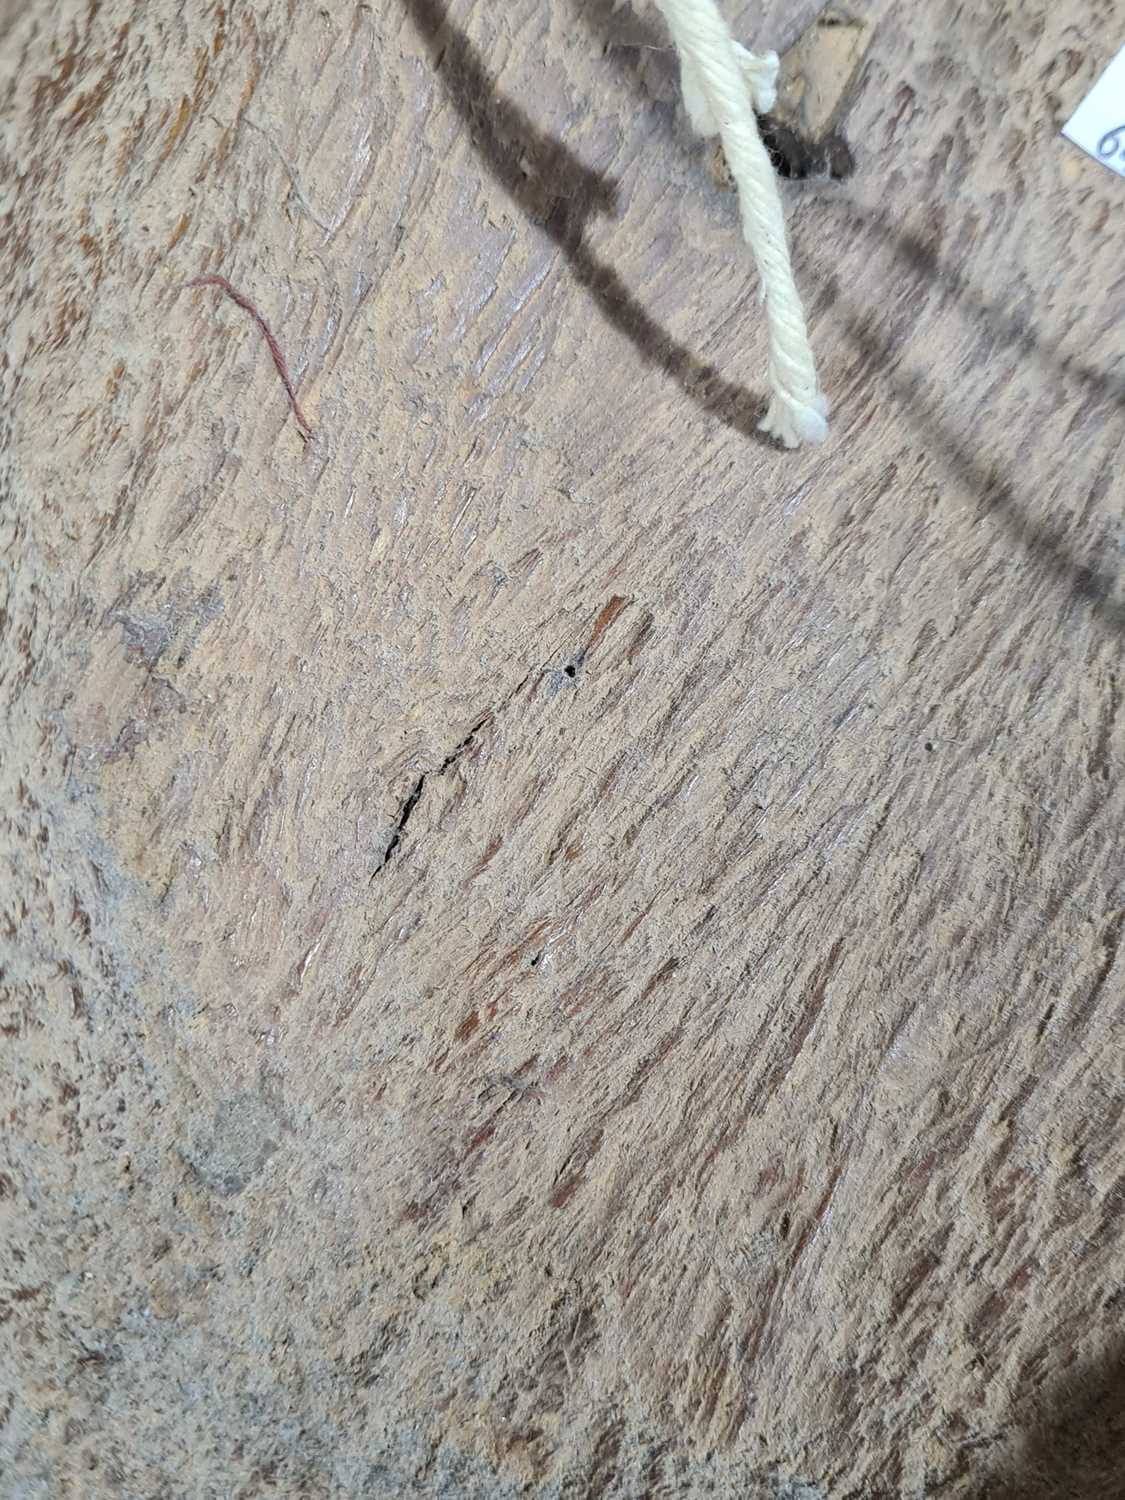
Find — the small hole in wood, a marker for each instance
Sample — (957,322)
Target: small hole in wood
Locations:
(797,159)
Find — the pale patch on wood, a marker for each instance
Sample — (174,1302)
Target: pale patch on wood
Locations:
(817,73)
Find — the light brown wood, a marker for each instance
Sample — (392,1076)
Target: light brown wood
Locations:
(818,72)
(550,947)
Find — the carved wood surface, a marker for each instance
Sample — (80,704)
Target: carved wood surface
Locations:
(549,947)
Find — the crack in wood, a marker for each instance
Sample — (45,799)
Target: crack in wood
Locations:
(415,796)
(605,619)
(412,799)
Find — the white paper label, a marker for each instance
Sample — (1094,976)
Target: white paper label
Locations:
(1098,124)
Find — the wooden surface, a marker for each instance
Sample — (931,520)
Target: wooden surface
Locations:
(550,947)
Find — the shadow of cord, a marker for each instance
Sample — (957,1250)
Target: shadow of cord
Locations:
(1092,587)
(558,192)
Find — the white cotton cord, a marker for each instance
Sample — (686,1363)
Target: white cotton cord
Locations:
(759,71)
(722,83)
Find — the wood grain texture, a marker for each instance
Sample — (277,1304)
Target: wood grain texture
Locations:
(549,947)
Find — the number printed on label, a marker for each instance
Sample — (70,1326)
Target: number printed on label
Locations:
(1111,147)
(1098,124)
